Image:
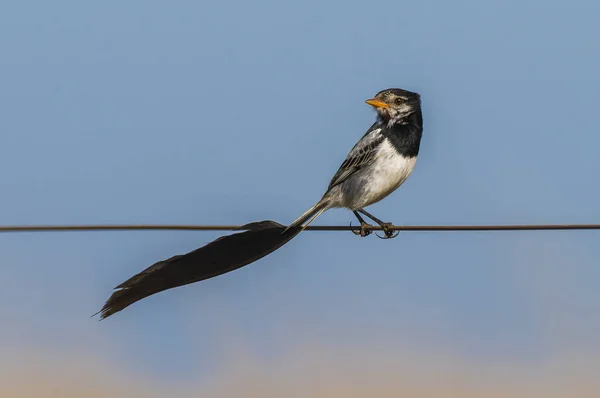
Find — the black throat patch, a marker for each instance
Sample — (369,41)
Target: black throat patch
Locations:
(405,136)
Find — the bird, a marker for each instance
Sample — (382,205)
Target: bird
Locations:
(378,164)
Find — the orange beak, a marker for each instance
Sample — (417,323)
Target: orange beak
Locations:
(377,103)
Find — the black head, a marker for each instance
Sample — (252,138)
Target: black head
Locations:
(395,104)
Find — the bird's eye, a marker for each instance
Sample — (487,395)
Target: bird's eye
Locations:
(399,100)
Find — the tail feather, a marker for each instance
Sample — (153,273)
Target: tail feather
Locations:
(223,255)
(218,257)
(309,215)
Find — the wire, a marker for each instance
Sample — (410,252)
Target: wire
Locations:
(154,227)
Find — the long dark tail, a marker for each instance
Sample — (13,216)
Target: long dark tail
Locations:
(218,257)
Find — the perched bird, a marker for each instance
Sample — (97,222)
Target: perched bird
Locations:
(375,167)
(379,162)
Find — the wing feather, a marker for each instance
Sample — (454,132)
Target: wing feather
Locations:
(361,155)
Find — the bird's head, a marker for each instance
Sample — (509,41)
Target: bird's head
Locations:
(394,104)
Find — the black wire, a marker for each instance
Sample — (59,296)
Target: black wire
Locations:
(155,227)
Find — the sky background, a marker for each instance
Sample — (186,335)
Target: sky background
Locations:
(231,112)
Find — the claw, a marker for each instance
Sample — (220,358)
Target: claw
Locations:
(353,231)
(388,231)
(365,230)
(389,235)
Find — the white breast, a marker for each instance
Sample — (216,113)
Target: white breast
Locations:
(376,181)
(389,171)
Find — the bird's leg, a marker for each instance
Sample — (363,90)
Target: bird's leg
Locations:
(365,229)
(386,226)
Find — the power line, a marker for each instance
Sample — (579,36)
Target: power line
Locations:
(166,227)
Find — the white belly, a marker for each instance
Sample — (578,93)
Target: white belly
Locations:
(378,180)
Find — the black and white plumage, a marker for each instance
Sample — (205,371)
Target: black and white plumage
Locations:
(375,167)
(379,162)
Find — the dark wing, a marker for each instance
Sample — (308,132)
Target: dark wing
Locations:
(361,155)
(222,255)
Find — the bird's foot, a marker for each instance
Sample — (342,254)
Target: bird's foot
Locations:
(388,230)
(365,229)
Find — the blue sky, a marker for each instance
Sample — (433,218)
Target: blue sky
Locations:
(230,112)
